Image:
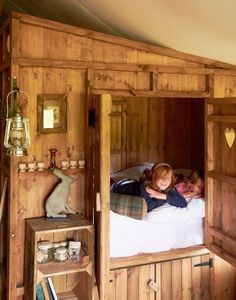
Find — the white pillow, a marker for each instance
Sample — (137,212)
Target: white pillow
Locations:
(171,214)
(133,172)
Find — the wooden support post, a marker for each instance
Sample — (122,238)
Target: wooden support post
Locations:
(210,84)
(89,144)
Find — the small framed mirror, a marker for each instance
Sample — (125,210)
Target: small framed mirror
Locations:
(52,113)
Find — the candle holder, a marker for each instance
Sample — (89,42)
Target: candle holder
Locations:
(52,159)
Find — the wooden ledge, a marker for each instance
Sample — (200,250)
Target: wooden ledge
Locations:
(46,172)
(148,258)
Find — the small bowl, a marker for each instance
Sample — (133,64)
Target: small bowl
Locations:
(81,164)
(31,166)
(22,167)
(65,164)
(73,164)
(40,166)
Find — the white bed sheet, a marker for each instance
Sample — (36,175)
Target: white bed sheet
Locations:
(130,236)
(164,228)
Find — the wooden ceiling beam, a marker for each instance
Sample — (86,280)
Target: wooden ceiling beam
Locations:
(73,64)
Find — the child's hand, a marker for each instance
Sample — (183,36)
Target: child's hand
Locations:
(156,194)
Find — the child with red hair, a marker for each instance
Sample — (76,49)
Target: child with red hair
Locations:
(157,187)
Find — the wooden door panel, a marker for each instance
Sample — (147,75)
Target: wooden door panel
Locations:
(102,190)
(118,135)
(172,280)
(221,179)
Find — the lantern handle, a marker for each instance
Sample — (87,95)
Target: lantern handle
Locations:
(15,91)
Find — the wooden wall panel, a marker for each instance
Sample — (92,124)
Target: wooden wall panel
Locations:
(55,81)
(132,56)
(79,48)
(176,279)
(71,145)
(166,280)
(121,80)
(76,122)
(158,129)
(39,42)
(223,280)
(187,278)
(110,53)
(54,44)
(145,273)
(145,57)
(178,132)
(224,86)
(133,277)
(184,133)
(197,133)
(31,81)
(31,41)
(181,82)
(137,109)
(220,225)
(118,135)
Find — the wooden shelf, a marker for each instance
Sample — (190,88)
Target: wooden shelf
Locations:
(77,228)
(43,225)
(46,172)
(62,268)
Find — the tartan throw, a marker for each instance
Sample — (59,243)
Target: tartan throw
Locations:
(128,205)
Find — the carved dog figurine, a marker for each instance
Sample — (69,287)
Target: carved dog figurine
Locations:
(57,202)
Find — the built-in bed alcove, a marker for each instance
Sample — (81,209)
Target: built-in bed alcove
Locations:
(171,130)
(186,133)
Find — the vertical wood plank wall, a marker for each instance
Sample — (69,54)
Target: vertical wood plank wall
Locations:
(222,161)
(176,279)
(53,58)
(157,129)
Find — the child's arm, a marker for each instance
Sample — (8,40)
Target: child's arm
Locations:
(152,201)
(174,198)
(156,194)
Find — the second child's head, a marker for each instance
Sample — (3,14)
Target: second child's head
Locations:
(195,182)
(160,177)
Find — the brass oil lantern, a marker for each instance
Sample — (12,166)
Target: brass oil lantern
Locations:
(17,133)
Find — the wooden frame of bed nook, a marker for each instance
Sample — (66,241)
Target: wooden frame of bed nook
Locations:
(146,90)
(158,274)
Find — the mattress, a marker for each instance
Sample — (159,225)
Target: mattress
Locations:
(163,229)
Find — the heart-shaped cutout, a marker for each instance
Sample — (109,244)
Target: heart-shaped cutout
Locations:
(230,136)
